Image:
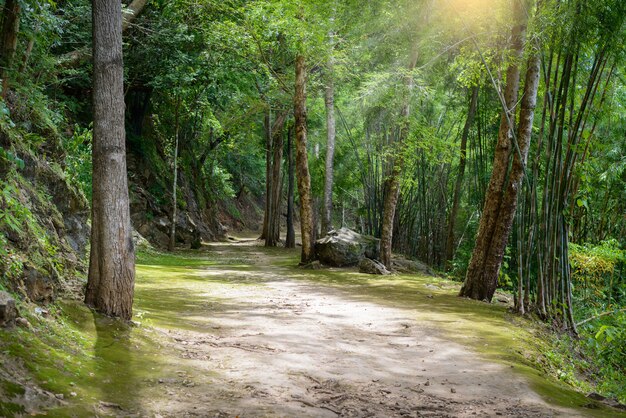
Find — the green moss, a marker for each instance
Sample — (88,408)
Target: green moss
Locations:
(10,409)
(97,358)
(12,389)
(172,291)
(102,359)
(178,260)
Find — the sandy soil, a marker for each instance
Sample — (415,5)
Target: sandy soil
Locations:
(278,346)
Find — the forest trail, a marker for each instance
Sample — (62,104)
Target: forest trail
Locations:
(242,332)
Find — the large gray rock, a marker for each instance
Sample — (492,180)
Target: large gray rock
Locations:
(369,266)
(8,310)
(313,265)
(404,265)
(39,285)
(140,242)
(344,247)
(188,231)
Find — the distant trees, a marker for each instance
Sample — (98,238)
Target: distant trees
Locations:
(458,183)
(331,134)
(282,54)
(274,144)
(290,239)
(111,279)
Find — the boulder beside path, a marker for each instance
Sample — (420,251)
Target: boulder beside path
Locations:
(345,247)
(369,266)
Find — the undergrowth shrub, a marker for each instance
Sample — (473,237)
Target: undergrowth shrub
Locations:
(600,293)
(78,160)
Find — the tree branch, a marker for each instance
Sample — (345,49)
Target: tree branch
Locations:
(599,315)
(73,58)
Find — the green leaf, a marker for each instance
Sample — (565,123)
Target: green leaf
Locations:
(600,332)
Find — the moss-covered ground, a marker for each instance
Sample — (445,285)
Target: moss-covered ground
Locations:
(97,364)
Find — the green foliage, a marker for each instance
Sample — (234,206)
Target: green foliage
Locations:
(220,182)
(11,265)
(469,66)
(603,340)
(13,214)
(19,222)
(600,291)
(5,115)
(565,361)
(12,217)
(599,271)
(592,263)
(11,158)
(78,161)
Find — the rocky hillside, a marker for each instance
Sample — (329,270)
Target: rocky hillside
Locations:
(44,228)
(200,217)
(44,210)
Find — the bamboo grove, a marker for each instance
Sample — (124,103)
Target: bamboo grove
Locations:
(578,66)
(577,48)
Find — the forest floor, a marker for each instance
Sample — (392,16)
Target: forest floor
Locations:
(237,330)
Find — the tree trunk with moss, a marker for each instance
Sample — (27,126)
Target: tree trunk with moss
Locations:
(302,163)
(456,200)
(111,278)
(392,184)
(10,29)
(290,240)
(501,199)
(329,100)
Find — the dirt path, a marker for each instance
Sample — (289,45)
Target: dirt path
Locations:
(264,342)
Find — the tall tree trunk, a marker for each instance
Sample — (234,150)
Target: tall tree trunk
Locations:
(302,163)
(450,243)
(172,243)
(501,199)
(111,279)
(10,29)
(268,174)
(329,96)
(273,189)
(27,52)
(316,219)
(273,231)
(508,208)
(392,184)
(392,191)
(290,240)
